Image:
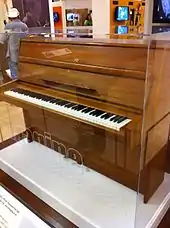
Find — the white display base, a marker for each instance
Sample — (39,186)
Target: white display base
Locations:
(83,196)
(13,214)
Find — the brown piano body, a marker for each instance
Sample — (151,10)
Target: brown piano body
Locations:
(112,76)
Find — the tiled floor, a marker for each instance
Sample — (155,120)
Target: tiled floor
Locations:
(11,121)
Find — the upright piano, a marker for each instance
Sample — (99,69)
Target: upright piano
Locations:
(103,103)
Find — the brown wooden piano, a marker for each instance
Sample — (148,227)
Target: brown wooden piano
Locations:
(104,104)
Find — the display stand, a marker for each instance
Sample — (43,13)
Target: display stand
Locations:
(13,214)
(81,195)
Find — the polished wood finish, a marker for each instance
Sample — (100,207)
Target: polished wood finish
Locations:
(109,75)
(108,88)
(40,208)
(153,175)
(165,223)
(88,55)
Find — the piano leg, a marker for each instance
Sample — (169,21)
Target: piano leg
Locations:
(153,175)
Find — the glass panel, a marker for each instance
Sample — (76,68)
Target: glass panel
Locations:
(154,176)
(85,119)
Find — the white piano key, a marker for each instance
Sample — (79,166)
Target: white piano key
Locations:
(123,123)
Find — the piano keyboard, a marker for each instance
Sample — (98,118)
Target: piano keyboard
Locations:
(82,112)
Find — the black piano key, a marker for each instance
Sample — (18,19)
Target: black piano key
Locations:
(34,96)
(87,110)
(46,98)
(99,113)
(27,94)
(79,107)
(43,98)
(31,94)
(54,101)
(121,119)
(73,108)
(82,107)
(70,105)
(57,101)
(115,118)
(107,116)
(93,112)
(62,103)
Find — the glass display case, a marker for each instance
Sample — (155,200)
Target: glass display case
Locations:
(85,131)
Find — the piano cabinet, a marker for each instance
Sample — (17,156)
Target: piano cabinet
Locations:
(115,155)
(126,86)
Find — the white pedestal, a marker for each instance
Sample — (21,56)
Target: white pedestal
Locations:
(13,214)
(86,198)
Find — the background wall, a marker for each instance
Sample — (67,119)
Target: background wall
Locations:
(78,4)
(101,17)
(2,16)
(3,12)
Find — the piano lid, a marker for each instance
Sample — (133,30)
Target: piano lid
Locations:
(106,56)
(140,43)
